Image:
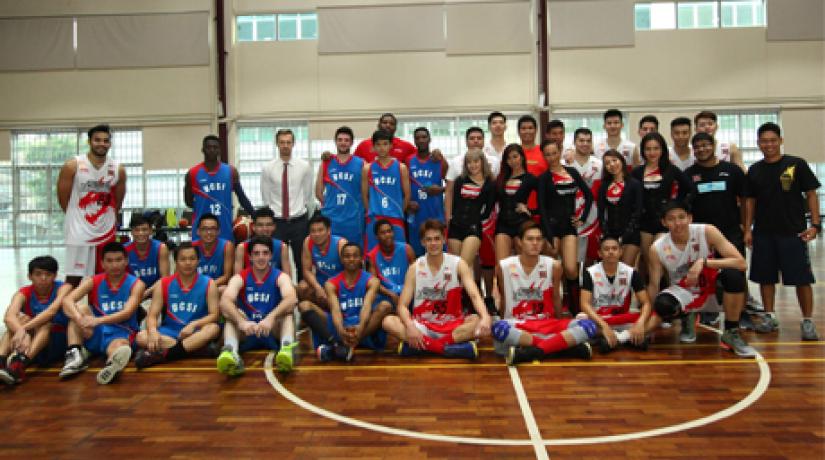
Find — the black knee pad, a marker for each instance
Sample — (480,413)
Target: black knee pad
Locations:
(667,306)
(732,281)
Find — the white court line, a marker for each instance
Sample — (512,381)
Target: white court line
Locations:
(527,412)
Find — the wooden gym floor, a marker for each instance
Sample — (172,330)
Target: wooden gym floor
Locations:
(673,401)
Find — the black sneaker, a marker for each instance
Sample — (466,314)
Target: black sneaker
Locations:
(580,351)
(343,352)
(642,346)
(526,354)
(601,344)
(145,358)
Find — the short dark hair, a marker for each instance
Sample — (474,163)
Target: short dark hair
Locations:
(112,246)
(344,130)
(139,219)
(350,244)
(45,263)
(680,121)
(609,113)
(432,224)
(422,128)
(318,218)
(473,129)
(649,119)
(388,114)
(547,142)
(675,204)
(102,128)
(184,246)
(380,223)
(553,124)
(702,137)
(582,131)
(666,306)
(495,115)
(210,137)
(284,132)
(527,226)
(259,240)
(704,114)
(527,119)
(381,135)
(264,211)
(606,238)
(209,216)
(769,126)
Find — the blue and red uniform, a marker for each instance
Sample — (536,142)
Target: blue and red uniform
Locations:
(327,263)
(391,268)
(277,247)
(351,300)
(145,266)
(33,306)
(343,204)
(104,300)
(182,304)
(212,193)
(386,200)
(257,299)
(211,264)
(423,174)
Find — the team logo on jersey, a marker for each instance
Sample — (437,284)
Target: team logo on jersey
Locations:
(696,247)
(447,276)
(622,281)
(542,274)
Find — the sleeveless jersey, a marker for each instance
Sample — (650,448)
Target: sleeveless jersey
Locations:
(625,148)
(591,172)
(677,263)
(277,247)
(391,268)
(527,297)
(327,264)
(437,299)
(91,217)
(212,192)
(611,298)
(351,298)
(342,190)
(144,267)
(424,174)
(33,305)
(259,297)
(386,198)
(105,299)
(184,304)
(211,264)
(678,162)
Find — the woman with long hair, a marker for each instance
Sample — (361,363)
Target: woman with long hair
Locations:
(474,195)
(513,186)
(620,205)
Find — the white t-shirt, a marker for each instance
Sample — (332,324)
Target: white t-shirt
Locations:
(626,148)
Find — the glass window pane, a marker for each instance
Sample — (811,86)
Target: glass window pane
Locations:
(698,15)
(743,13)
(707,16)
(309,26)
(662,16)
(265,28)
(727,14)
(686,17)
(642,14)
(287,26)
(244,28)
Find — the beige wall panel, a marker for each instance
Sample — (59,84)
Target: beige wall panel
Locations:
(68,7)
(5,145)
(325,130)
(796,69)
(796,20)
(154,94)
(173,147)
(257,6)
(804,133)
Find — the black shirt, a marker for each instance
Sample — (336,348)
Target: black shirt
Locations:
(636,284)
(620,207)
(656,194)
(511,196)
(715,202)
(778,189)
(472,203)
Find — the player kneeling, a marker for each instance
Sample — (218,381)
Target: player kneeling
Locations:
(31,320)
(607,289)
(528,328)
(433,286)
(258,304)
(188,302)
(108,324)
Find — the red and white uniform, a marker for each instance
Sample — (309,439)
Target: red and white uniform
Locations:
(678,162)
(437,298)
(611,300)
(591,172)
(528,299)
(677,263)
(625,148)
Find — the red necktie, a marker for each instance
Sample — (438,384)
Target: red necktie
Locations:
(285,195)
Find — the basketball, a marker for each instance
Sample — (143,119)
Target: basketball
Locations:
(242,229)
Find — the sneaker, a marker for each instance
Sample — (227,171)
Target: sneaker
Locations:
(75,363)
(580,351)
(751,304)
(343,352)
(688,332)
(808,330)
(746,322)
(144,358)
(14,372)
(641,347)
(518,355)
(230,363)
(405,349)
(602,345)
(325,353)
(466,350)
(735,343)
(768,324)
(709,318)
(285,359)
(119,360)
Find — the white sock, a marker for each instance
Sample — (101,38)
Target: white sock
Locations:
(623,336)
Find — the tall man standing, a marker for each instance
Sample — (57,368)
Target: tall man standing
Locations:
(338,189)
(401,150)
(90,189)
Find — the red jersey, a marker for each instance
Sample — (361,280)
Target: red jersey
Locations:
(401,150)
(536,165)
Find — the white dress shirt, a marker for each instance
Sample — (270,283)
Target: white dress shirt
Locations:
(299,184)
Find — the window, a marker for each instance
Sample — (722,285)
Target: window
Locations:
(655,16)
(448,133)
(700,14)
(271,27)
(593,121)
(743,13)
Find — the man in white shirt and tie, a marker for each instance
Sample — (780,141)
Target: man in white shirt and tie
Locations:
(286,187)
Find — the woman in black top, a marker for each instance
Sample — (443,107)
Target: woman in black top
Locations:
(661,182)
(560,191)
(620,205)
(474,195)
(513,187)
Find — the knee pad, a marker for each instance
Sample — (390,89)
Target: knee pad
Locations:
(587,325)
(500,330)
(667,306)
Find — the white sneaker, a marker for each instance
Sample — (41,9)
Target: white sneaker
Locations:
(75,363)
(119,360)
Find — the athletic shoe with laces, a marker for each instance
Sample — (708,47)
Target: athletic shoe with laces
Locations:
(709,318)
(751,304)
(746,322)
(230,363)
(325,353)
(465,350)
(524,354)
(768,324)
(343,352)
(808,330)
(15,370)
(602,345)
(285,359)
(688,332)
(735,343)
(145,358)
(119,360)
(580,351)
(642,346)
(405,349)
(75,363)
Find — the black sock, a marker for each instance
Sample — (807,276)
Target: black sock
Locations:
(317,325)
(72,347)
(732,325)
(573,294)
(3,359)
(176,352)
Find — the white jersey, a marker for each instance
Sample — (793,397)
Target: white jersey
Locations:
(626,148)
(678,162)
(437,298)
(456,165)
(491,151)
(723,151)
(591,172)
(677,262)
(91,216)
(527,297)
(610,298)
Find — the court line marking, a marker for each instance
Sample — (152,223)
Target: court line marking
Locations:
(527,413)
(759,389)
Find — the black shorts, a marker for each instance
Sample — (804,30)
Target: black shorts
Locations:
(561,229)
(460,232)
(509,229)
(633,238)
(773,254)
(652,226)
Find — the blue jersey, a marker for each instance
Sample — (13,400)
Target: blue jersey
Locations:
(327,264)
(342,190)
(212,192)
(259,297)
(107,300)
(145,267)
(385,193)
(391,268)
(275,261)
(33,305)
(351,298)
(211,264)
(184,304)
(423,174)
